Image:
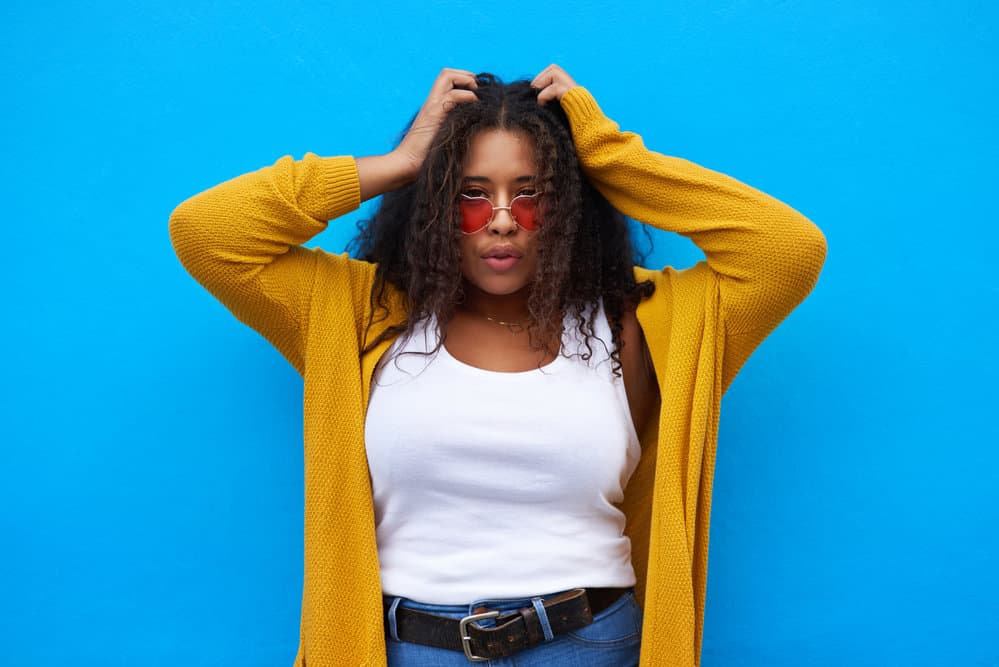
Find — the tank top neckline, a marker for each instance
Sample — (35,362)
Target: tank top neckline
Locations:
(552,365)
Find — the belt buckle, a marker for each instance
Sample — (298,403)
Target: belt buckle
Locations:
(466,639)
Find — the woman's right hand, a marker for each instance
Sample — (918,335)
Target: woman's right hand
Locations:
(444,95)
(393,170)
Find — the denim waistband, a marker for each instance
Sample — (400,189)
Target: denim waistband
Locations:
(492,603)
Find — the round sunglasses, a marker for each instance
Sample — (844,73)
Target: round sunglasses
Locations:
(478,210)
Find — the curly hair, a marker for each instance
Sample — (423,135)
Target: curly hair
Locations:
(584,256)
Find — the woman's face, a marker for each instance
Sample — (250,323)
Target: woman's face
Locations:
(500,258)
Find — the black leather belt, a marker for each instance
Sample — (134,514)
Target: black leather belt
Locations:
(515,629)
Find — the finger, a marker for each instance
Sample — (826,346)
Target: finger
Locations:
(460,96)
(542,80)
(463,78)
(465,82)
(444,86)
(547,94)
(458,71)
(456,97)
(450,78)
(546,76)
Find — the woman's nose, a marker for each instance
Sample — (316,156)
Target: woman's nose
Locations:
(502,222)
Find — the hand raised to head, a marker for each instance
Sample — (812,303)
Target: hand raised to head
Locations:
(553,82)
(452,87)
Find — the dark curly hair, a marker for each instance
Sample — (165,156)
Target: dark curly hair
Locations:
(585,253)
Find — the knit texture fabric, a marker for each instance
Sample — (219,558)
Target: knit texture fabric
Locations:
(242,241)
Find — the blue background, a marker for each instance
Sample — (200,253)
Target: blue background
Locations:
(151,464)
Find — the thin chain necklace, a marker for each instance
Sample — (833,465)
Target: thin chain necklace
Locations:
(512,327)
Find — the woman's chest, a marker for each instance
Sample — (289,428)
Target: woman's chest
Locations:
(549,431)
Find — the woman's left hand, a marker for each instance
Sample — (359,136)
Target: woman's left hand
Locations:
(553,82)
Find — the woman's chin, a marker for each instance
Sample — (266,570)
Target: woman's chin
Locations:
(499,287)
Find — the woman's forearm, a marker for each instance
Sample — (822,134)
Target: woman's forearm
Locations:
(250,219)
(766,254)
(379,174)
(242,241)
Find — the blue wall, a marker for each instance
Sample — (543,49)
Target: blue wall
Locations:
(151,459)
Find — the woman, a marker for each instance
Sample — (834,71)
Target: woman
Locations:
(509,428)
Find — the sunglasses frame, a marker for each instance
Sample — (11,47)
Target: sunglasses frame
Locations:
(508,208)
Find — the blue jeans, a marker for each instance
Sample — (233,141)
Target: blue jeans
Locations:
(614,639)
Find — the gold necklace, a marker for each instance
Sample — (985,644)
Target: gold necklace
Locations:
(512,327)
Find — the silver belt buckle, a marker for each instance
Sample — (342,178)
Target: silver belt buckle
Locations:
(466,639)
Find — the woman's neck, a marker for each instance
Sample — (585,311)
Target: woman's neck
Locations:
(510,308)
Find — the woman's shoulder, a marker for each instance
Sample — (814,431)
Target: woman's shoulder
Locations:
(340,277)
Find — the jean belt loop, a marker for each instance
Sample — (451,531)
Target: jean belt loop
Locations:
(393,628)
(539,607)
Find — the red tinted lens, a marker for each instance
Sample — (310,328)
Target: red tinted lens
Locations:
(475,213)
(524,209)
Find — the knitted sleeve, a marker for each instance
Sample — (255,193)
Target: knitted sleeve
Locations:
(242,241)
(765,255)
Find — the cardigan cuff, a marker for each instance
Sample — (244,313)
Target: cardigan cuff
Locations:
(580,106)
(331,186)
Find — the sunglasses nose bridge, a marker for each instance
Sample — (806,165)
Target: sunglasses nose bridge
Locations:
(475,209)
(498,219)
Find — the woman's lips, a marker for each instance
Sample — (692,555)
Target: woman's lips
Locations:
(502,257)
(501,263)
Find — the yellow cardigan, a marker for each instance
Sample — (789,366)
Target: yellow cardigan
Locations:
(242,240)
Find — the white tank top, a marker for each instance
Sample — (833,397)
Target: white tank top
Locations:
(499,485)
